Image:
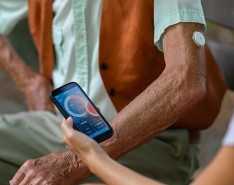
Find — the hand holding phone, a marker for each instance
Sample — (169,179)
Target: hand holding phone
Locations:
(72,101)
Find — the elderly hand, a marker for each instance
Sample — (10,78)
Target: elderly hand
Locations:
(84,147)
(37,93)
(34,86)
(53,169)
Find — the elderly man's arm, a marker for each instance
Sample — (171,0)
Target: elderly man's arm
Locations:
(35,87)
(181,85)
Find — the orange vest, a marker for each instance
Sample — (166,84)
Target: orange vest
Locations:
(129,60)
(40,26)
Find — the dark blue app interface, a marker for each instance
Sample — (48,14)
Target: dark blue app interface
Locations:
(84,115)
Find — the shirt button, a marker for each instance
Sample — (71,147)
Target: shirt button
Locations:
(104,66)
(112,92)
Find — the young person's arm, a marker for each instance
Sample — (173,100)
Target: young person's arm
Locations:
(220,170)
(34,86)
(100,164)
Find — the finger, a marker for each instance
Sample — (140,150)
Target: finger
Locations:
(72,137)
(67,126)
(18,178)
(27,181)
(64,140)
(69,121)
(69,134)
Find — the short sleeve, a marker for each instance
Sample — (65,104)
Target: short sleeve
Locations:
(11,12)
(170,12)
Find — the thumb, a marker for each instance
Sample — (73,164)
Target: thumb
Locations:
(67,125)
(69,122)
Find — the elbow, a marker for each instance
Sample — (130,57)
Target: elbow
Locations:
(196,93)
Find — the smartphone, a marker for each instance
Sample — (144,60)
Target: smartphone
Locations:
(72,101)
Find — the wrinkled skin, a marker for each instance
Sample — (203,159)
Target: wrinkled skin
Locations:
(35,87)
(62,172)
(37,93)
(79,143)
(182,79)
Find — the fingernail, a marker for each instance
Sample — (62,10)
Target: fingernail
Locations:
(70,119)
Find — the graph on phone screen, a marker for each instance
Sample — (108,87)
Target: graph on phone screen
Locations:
(85,116)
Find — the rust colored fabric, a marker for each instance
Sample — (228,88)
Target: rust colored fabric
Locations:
(40,25)
(128,59)
(127,48)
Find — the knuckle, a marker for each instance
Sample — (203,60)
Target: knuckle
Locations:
(28,163)
(70,137)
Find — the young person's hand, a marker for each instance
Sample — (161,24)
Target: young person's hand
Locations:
(84,147)
(98,161)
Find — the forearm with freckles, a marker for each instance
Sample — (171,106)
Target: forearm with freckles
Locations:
(13,65)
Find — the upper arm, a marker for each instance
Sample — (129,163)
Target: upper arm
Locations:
(167,13)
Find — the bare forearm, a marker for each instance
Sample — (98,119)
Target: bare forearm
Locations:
(181,85)
(72,166)
(112,173)
(13,65)
(35,87)
(220,170)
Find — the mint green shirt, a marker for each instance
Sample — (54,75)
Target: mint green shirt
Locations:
(166,13)
(11,12)
(76,27)
(169,12)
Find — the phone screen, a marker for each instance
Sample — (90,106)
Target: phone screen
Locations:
(71,100)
